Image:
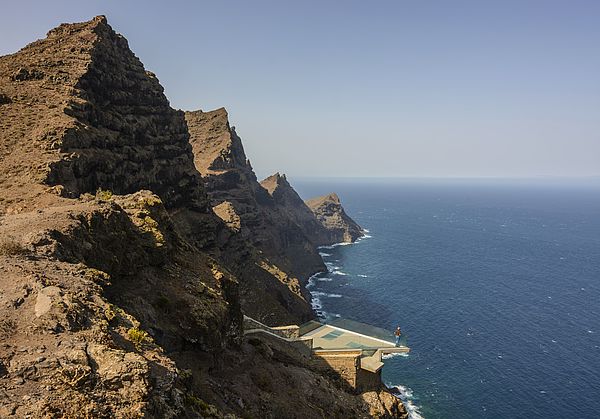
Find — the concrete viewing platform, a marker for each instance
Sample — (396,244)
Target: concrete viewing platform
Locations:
(353,350)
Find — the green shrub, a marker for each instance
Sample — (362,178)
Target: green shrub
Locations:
(104,195)
(186,375)
(137,337)
(97,276)
(199,405)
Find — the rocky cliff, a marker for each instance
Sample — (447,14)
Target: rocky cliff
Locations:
(289,202)
(236,194)
(330,213)
(118,288)
(94,118)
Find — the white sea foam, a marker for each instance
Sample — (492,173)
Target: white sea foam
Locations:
(325,279)
(338,272)
(363,237)
(311,280)
(394,355)
(317,306)
(331,267)
(333,246)
(315,302)
(406,395)
(325,294)
(323,254)
(363,276)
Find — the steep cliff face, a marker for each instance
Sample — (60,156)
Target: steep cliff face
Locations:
(126,303)
(330,213)
(235,194)
(219,156)
(289,202)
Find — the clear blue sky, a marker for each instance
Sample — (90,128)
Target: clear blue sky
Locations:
(378,88)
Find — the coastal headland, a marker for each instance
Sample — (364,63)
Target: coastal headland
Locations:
(134,238)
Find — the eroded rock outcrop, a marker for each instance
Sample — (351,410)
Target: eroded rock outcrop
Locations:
(266,219)
(285,251)
(330,213)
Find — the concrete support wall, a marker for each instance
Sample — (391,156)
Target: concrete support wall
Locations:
(344,363)
(292,332)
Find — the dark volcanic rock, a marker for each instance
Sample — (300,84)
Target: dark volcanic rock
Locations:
(288,201)
(220,158)
(329,211)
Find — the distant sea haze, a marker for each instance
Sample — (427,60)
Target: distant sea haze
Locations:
(496,285)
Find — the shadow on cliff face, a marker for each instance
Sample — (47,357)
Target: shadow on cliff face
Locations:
(154,272)
(157,283)
(267,379)
(267,292)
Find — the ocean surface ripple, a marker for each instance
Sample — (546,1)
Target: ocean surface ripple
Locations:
(496,286)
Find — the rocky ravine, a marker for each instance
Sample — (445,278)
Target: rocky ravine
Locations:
(118,288)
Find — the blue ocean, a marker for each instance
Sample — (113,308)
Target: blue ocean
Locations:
(495,283)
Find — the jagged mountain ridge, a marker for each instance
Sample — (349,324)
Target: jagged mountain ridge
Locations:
(111,305)
(219,156)
(290,202)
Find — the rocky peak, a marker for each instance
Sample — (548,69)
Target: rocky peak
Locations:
(330,213)
(333,198)
(287,200)
(264,220)
(274,182)
(215,143)
(90,116)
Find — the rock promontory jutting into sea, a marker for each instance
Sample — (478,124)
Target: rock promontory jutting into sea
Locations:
(133,239)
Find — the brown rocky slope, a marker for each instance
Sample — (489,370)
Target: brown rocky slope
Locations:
(111,302)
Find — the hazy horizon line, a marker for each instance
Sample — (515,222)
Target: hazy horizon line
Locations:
(483,177)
